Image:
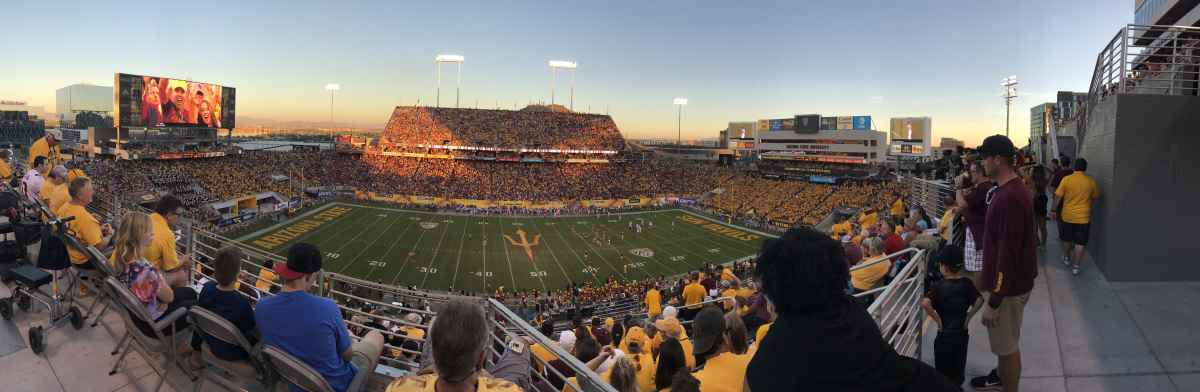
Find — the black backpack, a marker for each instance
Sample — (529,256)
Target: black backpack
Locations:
(52,254)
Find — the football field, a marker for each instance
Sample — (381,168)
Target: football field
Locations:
(481,253)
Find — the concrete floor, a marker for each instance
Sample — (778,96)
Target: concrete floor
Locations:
(1084,333)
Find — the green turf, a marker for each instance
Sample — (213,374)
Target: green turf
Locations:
(444,251)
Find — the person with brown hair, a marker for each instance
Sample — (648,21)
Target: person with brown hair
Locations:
(222,297)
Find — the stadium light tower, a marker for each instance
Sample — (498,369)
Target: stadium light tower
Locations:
(331,87)
(554,66)
(449,58)
(1009,93)
(680,102)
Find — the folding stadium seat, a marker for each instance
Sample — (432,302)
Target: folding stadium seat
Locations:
(164,340)
(231,375)
(294,371)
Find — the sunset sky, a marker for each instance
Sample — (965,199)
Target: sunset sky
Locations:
(735,61)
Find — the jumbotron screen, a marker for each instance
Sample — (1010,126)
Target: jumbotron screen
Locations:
(153,101)
(911,129)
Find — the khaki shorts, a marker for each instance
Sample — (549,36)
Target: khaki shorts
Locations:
(1005,337)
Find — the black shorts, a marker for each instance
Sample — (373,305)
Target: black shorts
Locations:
(1075,233)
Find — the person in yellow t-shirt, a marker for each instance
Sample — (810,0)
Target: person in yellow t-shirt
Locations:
(6,171)
(267,281)
(85,228)
(898,210)
(57,178)
(841,228)
(867,278)
(721,370)
(653,303)
(947,218)
(459,342)
(868,218)
(1076,192)
(162,253)
(46,146)
(693,293)
(58,197)
(670,328)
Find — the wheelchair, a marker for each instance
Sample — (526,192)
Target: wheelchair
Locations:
(60,303)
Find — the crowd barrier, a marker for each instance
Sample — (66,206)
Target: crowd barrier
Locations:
(373,306)
(928,194)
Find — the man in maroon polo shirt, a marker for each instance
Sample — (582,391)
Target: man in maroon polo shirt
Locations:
(1009,262)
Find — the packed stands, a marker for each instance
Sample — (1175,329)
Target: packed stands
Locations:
(532,127)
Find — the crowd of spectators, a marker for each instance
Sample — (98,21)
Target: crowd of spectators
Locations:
(528,128)
(787,203)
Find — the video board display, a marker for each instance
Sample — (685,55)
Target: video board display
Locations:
(913,129)
(152,101)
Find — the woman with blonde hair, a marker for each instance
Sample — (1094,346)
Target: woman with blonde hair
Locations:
(147,283)
(623,377)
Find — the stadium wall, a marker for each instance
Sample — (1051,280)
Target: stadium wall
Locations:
(1143,224)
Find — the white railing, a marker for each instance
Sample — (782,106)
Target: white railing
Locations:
(897,308)
(928,194)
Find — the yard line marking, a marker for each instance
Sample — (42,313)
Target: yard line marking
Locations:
(458,261)
(560,267)
(507,258)
(360,250)
(572,248)
(391,246)
(436,250)
(409,256)
(589,245)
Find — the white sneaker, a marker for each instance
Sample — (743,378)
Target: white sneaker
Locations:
(1074,271)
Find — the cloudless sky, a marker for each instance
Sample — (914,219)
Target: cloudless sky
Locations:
(735,61)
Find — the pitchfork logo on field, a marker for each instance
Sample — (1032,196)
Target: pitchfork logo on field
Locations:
(428,225)
(524,244)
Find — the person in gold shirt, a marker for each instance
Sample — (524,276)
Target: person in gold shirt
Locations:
(1076,192)
(868,218)
(6,171)
(459,338)
(694,292)
(161,253)
(898,209)
(671,329)
(268,281)
(720,368)
(84,227)
(46,146)
(867,278)
(841,228)
(653,302)
(58,178)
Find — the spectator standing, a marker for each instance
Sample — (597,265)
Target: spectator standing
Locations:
(653,300)
(1009,262)
(1076,193)
(46,146)
(822,339)
(948,302)
(972,200)
(459,337)
(311,328)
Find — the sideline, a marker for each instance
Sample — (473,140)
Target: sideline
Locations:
(273,227)
(724,223)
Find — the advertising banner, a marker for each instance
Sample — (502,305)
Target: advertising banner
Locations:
(828,123)
(845,123)
(807,123)
(862,123)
